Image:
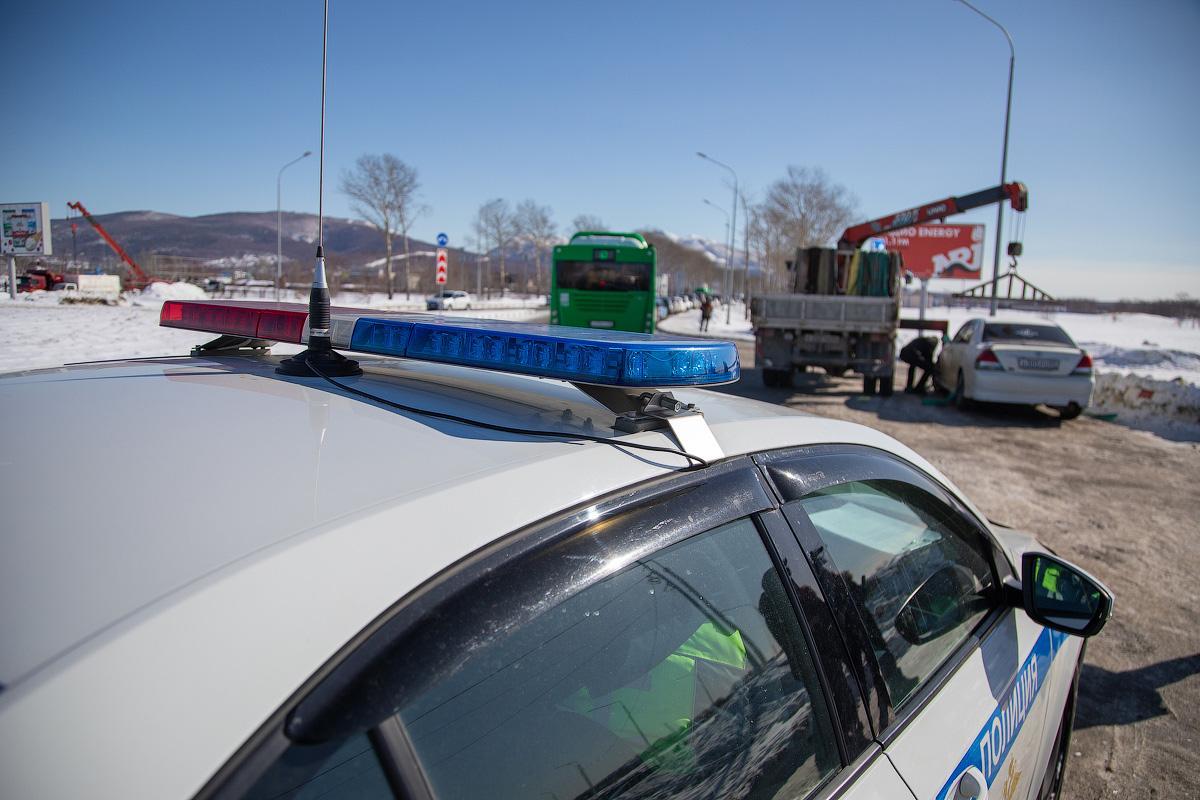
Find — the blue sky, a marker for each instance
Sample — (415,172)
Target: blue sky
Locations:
(191,108)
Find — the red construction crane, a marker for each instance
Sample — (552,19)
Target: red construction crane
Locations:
(140,278)
(855,235)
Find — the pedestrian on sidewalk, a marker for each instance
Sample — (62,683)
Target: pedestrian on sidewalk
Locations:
(706,309)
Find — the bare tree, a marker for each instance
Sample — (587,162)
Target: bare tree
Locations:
(536,224)
(588,222)
(498,225)
(382,190)
(806,209)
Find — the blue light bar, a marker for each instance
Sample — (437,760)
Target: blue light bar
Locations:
(583,355)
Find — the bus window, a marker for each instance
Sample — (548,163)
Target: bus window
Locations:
(603,277)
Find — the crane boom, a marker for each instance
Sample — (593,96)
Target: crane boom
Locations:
(1016,193)
(140,278)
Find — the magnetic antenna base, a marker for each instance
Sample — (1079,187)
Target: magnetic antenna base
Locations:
(331,363)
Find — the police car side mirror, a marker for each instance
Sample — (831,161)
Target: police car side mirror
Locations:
(939,604)
(1061,596)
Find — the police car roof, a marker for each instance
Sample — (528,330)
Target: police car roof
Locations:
(152,474)
(184,513)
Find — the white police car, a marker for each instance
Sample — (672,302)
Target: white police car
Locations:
(254,589)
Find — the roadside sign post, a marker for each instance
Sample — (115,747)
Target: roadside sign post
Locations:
(441,265)
(24,231)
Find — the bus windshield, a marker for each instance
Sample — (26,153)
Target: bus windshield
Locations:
(603,276)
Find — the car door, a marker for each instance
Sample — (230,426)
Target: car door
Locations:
(647,645)
(954,675)
(952,354)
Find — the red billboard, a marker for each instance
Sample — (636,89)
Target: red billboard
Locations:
(939,251)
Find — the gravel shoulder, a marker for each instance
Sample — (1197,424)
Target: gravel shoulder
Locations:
(1121,503)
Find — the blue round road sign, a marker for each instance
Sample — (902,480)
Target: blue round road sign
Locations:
(443,240)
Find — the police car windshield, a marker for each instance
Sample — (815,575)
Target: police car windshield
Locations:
(1009,332)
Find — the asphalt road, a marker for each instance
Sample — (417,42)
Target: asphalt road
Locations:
(1121,503)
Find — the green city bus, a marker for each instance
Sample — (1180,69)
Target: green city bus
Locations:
(602,279)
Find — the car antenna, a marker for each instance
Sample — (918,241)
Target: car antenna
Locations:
(320,359)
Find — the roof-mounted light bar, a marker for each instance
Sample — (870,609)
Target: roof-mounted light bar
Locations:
(581,355)
(277,322)
(604,357)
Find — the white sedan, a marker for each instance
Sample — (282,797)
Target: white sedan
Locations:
(1015,361)
(456,300)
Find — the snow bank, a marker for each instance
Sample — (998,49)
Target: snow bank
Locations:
(38,297)
(1143,402)
(159,292)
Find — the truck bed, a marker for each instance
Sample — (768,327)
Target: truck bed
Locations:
(821,312)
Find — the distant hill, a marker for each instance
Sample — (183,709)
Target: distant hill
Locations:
(215,244)
(243,236)
(173,246)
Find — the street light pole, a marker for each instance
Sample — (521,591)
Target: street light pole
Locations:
(708,202)
(1012,61)
(746,256)
(732,235)
(279,222)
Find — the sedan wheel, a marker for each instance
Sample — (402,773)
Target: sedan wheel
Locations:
(1069,411)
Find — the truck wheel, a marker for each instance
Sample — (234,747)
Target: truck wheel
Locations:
(887,385)
(869,383)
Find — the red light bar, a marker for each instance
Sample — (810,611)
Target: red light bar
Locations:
(276,322)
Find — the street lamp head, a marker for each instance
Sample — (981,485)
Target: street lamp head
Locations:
(701,154)
(307,153)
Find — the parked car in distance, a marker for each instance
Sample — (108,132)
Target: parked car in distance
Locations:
(1016,361)
(456,300)
(662,307)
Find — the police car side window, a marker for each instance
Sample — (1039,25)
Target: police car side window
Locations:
(964,333)
(918,576)
(682,674)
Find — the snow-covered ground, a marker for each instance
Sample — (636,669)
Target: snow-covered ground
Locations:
(1147,366)
(37,331)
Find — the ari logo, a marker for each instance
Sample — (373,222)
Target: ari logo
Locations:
(1012,781)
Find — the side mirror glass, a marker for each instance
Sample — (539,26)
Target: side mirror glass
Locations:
(1061,596)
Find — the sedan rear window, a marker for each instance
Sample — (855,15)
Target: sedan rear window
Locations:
(1008,332)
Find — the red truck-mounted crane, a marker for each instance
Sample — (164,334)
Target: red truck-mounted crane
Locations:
(855,235)
(140,279)
(841,317)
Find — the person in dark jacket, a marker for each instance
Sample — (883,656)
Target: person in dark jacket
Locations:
(706,310)
(918,354)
